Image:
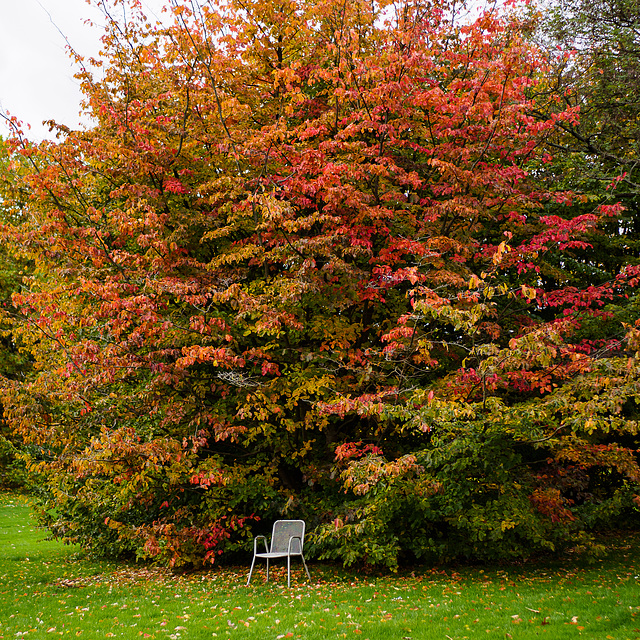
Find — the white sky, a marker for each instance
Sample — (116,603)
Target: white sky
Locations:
(36,74)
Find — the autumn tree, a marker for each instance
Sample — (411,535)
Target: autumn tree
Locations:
(299,266)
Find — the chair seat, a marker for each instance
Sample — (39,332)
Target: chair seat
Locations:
(277,554)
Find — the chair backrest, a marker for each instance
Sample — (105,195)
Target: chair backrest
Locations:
(283,530)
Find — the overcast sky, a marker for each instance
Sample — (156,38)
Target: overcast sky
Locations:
(36,74)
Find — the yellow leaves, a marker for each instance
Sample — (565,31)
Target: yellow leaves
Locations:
(461,319)
(238,255)
(633,335)
(507,524)
(528,293)
(112,524)
(474,281)
(272,210)
(336,333)
(500,252)
(367,472)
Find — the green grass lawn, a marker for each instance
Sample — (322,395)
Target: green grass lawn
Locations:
(49,590)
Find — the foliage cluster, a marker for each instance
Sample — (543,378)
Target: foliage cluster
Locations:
(13,364)
(313,260)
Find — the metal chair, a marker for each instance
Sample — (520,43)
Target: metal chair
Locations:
(287,539)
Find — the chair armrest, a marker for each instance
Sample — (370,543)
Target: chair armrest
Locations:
(255,544)
(294,538)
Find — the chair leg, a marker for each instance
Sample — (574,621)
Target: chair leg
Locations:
(267,569)
(288,572)
(305,567)
(251,570)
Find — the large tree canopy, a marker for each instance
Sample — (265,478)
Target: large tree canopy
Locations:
(306,263)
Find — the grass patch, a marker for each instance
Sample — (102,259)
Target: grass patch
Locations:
(49,590)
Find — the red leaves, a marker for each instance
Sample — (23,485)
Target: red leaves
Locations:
(605,455)
(550,503)
(562,232)
(351,450)
(270,368)
(173,185)
(207,479)
(178,540)
(218,357)
(366,404)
